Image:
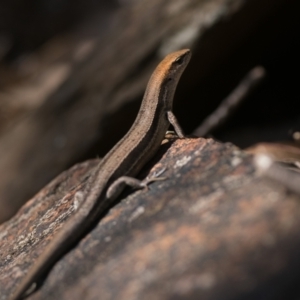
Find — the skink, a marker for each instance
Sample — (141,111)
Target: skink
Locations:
(126,159)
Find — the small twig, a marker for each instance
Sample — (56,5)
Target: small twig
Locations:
(288,153)
(269,168)
(224,110)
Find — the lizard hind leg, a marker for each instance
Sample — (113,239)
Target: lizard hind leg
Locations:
(118,185)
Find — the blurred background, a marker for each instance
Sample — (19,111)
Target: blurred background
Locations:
(73,73)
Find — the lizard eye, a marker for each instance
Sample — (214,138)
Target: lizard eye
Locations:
(179,60)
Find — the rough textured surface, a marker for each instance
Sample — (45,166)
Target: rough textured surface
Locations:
(213,230)
(24,237)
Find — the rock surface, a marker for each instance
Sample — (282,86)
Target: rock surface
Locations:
(214,229)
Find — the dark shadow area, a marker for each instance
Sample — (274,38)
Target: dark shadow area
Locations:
(253,37)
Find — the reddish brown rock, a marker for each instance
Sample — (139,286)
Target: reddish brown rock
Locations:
(214,229)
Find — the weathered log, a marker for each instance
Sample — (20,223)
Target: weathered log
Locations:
(214,229)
